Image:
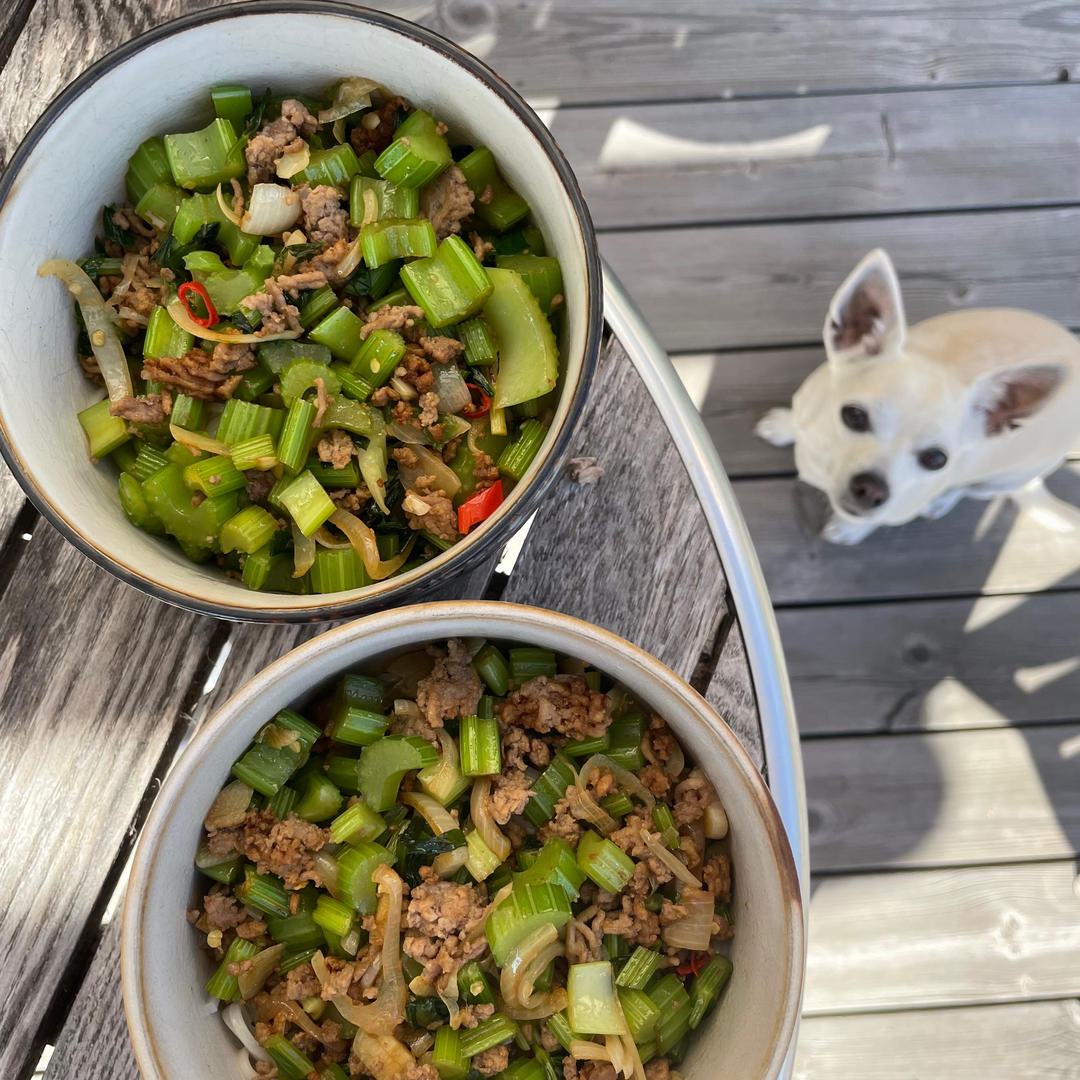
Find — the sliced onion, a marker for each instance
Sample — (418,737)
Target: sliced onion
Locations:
(349,261)
(303,552)
(478,928)
(432,811)
(230,806)
(584,1050)
(585,808)
(408,669)
(403,389)
(413,504)
(262,967)
(388,1009)
(196,440)
(236,1022)
(179,315)
(695,929)
(272,209)
(716,820)
(449,997)
(104,340)
(226,207)
(544,1005)
(525,964)
(626,779)
(633,1055)
(447,863)
(426,1040)
(429,464)
(350,96)
(480,810)
(408,434)
(671,861)
(325,538)
(129,264)
(364,544)
(288,165)
(676,761)
(327,868)
(450,386)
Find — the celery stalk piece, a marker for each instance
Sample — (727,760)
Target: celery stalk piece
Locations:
(291,1063)
(248,530)
(449,286)
(488,1033)
(490,664)
(523,911)
(386,240)
(254,453)
(194,527)
(232,103)
(384,764)
(605,862)
(561,1029)
(148,460)
(307,503)
(253,383)
(355,867)
(298,931)
(264,893)
(708,983)
(556,865)
(515,460)
(479,342)
(317,306)
(669,995)
(333,915)
(205,158)
(416,156)
(223,985)
(355,824)
(443,780)
(319,799)
(149,165)
(549,788)
(447,1057)
(223,868)
(503,206)
(541,273)
(104,432)
(639,969)
(187,412)
(159,205)
(296,435)
(481,754)
(299,376)
(528,663)
(215,475)
(335,166)
(340,333)
(348,476)
(528,354)
(378,358)
(136,508)
(474,986)
(200,210)
(244,420)
(277,355)
(592,1008)
(386,200)
(357,726)
(338,571)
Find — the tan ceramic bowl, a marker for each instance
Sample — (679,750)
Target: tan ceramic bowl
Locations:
(159,82)
(173,1026)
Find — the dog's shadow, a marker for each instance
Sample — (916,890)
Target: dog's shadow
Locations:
(998,660)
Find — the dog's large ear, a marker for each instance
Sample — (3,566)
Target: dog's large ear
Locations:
(1001,399)
(866,314)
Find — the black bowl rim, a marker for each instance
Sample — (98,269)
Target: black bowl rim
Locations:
(529,499)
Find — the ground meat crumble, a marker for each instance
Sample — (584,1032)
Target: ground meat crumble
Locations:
(447,202)
(565,704)
(443,926)
(452,689)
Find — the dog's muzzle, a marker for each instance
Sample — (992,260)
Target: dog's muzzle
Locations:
(867,491)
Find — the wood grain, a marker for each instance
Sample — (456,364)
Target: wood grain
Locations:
(743,285)
(922,150)
(935,664)
(92,680)
(979,547)
(952,937)
(1023,1041)
(943,798)
(12,501)
(730,690)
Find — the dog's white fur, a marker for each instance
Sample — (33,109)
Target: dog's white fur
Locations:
(996,389)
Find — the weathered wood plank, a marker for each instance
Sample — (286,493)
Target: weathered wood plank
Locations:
(12,501)
(592,547)
(92,684)
(938,664)
(1026,1041)
(922,150)
(979,547)
(943,798)
(994,934)
(730,690)
(742,285)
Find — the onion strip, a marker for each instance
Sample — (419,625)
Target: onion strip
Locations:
(350,96)
(545,1005)
(626,779)
(288,165)
(674,864)
(104,340)
(226,208)
(325,538)
(196,440)
(180,315)
(585,808)
(236,1022)
(429,464)
(480,810)
(676,761)
(348,262)
(364,544)
(695,929)
(431,810)
(272,209)
(303,552)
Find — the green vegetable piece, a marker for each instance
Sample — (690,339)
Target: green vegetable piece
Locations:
(104,432)
(159,205)
(385,241)
(135,507)
(557,865)
(335,166)
(215,475)
(244,420)
(549,788)
(355,824)
(232,103)
(277,355)
(491,666)
(384,764)
(254,453)
(451,285)
(640,1012)
(541,273)
(528,354)
(479,745)
(378,357)
(299,931)
(705,990)
(264,893)
(296,436)
(527,908)
(223,985)
(319,799)
(149,165)
(356,864)
(250,529)
(205,158)
(515,460)
(446,1055)
(340,333)
(338,571)
(504,206)
(223,868)
(387,200)
(639,969)
(291,1063)
(307,503)
(197,527)
(300,375)
(605,862)
(417,155)
(592,1008)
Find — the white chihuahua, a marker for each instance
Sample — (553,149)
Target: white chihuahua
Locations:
(901,422)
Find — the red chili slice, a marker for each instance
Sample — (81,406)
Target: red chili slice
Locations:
(480,506)
(475,409)
(199,290)
(696,962)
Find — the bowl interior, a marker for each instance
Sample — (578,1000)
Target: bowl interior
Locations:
(53,210)
(173,1028)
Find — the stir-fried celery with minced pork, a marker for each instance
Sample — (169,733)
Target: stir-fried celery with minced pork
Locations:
(327,332)
(480,861)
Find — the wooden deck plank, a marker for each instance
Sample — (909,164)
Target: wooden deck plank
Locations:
(12,501)
(943,798)
(938,664)
(608,560)
(952,937)
(730,690)
(1024,1041)
(89,707)
(743,285)
(980,547)
(921,150)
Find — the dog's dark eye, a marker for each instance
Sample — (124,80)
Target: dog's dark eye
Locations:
(855,418)
(933,459)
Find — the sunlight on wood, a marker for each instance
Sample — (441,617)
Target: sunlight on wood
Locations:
(1033,679)
(630,145)
(1070,748)
(953,704)
(696,372)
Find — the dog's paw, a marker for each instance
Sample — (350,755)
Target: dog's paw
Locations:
(776,427)
(839,531)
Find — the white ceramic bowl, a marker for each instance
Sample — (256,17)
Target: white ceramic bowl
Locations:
(74,160)
(175,1033)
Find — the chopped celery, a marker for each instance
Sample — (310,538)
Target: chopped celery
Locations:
(523,911)
(497,204)
(340,333)
(708,983)
(355,824)
(338,571)
(254,453)
(557,865)
(447,1057)
(300,375)
(490,664)
(248,530)
(528,355)
(669,996)
(197,527)
(200,210)
(223,985)
(378,357)
(515,460)
(277,355)
(592,1008)
(232,103)
(451,285)
(480,347)
(159,205)
(540,272)
(416,157)
(479,746)
(639,969)
(355,867)
(319,797)
(386,200)
(207,157)
(549,788)
(135,507)
(149,165)
(307,503)
(298,931)
(104,432)
(604,862)
(335,166)
(215,475)
(389,239)
(348,476)
(296,435)
(187,412)
(640,1012)
(529,663)
(384,764)
(244,420)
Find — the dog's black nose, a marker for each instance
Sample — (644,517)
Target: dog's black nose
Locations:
(869,490)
